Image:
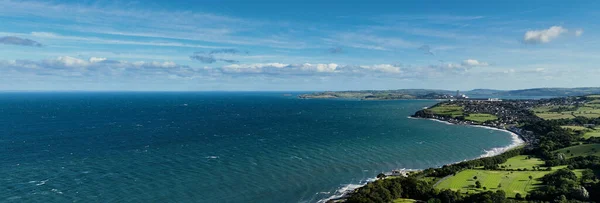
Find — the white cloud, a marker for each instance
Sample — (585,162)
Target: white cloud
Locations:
(578,32)
(97,59)
(71,61)
(323,68)
(473,62)
(385,68)
(543,36)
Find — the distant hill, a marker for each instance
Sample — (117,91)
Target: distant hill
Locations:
(484,92)
(444,94)
(559,92)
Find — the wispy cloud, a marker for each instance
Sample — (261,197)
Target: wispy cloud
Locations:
(426,50)
(226,51)
(175,25)
(211,56)
(370,41)
(11,40)
(336,50)
(98,40)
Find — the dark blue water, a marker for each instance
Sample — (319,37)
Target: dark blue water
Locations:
(213,147)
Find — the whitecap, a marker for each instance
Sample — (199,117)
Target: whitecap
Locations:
(56,191)
(43,182)
(347,188)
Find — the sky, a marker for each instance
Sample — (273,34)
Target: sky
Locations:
(169,45)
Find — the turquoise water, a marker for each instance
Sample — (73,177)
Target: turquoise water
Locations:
(214,147)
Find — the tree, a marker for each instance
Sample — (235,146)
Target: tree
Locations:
(381,176)
(477,184)
(518,196)
(500,185)
(474,177)
(530,177)
(587,175)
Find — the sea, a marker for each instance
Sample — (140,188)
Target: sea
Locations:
(216,146)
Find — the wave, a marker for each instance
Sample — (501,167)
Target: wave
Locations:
(348,188)
(516,141)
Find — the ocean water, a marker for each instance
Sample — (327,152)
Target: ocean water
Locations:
(214,147)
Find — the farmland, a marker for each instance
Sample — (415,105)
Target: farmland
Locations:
(512,182)
(522,162)
(581,150)
(481,117)
(448,110)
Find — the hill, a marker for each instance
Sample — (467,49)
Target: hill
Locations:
(448,94)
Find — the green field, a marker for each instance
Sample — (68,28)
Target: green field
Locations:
(481,117)
(448,110)
(521,162)
(593,96)
(581,150)
(511,182)
(588,132)
(551,115)
(590,110)
(402,200)
(575,128)
(594,133)
(544,112)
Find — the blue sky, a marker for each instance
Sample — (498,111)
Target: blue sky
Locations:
(297,45)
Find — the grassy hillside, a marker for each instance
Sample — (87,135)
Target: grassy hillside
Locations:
(481,117)
(581,150)
(587,132)
(522,162)
(511,182)
(447,110)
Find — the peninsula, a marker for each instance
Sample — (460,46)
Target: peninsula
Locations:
(560,161)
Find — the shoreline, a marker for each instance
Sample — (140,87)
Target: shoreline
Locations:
(517,141)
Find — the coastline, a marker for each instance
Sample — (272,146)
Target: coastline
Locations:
(517,141)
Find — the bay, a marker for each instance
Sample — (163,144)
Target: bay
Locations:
(214,146)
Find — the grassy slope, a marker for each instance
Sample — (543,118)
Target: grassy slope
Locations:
(512,181)
(481,117)
(575,128)
(520,162)
(580,150)
(591,110)
(449,110)
(587,131)
(595,133)
(544,113)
